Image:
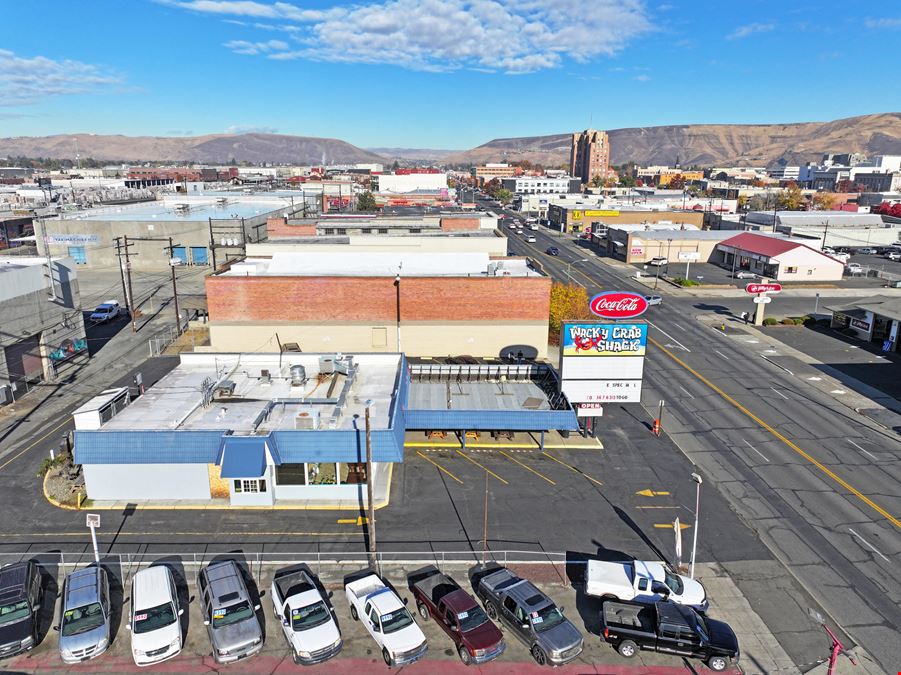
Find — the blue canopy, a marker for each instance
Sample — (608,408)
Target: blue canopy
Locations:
(243,457)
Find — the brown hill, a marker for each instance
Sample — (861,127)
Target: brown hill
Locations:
(710,144)
(214,148)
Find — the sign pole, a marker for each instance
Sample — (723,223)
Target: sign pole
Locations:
(93,522)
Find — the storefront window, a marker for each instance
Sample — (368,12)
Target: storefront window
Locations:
(291,474)
(322,474)
(352,474)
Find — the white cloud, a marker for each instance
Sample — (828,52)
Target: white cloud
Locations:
(642,78)
(750,29)
(245,47)
(27,80)
(883,23)
(243,129)
(513,36)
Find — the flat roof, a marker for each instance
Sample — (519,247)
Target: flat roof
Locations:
(187,399)
(197,210)
(477,396)
(380,264)
(663,235)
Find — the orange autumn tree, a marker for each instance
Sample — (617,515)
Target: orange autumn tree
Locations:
(569,302)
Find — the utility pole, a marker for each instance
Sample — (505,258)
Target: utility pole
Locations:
(825,230)
(369,478)
(131,305)
(122,272)
(485,527)
(46,240)
(397,302)
(694,543)
(212,243)
(174,288)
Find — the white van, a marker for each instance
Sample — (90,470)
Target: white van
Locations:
(153,622)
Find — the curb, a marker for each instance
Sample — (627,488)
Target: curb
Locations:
(58,504)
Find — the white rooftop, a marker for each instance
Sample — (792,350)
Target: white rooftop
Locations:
(190,397)
(380,264)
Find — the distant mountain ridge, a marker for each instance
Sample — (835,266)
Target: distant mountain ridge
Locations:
(212,148)
(710,144)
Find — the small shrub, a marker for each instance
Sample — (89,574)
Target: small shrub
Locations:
(787,322)
(799,320)
(769,321)
(685,283)
(47,463)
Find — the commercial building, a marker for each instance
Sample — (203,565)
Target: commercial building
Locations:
(42,326)
(541,185)
(408,182)
(578,218)
(778,259)
(643,243)
(424,304)
(661,176)
(831,228)
(275,429)
(589,155)
(874,319)
(488,172)
(204,230)
(407,222)
(879,182)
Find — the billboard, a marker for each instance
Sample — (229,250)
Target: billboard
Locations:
(618,305)
(602,391)
(604,339)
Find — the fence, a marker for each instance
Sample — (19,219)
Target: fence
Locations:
(158,343)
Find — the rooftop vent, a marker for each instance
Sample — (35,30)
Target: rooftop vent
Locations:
(225,389)
(307,419)
(298,375)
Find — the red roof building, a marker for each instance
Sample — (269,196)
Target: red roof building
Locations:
(778,259)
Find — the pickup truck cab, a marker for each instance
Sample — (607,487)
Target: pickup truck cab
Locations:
(305,616)
(389,623)
(108,311)
(438,596)
(643,581)
(531,616)
(669,628)
(20,603)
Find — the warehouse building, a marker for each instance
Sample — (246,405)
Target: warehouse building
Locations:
(271,429)
(421,303)
(831,228)
(643,243)
(577,218)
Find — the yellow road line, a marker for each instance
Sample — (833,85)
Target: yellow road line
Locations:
(658,507)
(572,468)
(527,467)
(439,467)
(205,533)
(803,453)
(26,449)
(481,466)
(669,526)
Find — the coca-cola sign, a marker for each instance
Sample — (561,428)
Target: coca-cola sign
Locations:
(618,305)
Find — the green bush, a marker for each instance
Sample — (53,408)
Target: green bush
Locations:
(787,322)
(769,321)
(47,463)
(685,283)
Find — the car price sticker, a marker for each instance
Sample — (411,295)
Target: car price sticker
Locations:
(462,615)
(140,617)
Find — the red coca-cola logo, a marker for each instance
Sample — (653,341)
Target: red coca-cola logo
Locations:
(618,305)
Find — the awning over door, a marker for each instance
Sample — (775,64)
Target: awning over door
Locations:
(242,457)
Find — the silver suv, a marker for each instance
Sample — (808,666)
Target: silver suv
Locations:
(229,617)
(84,629)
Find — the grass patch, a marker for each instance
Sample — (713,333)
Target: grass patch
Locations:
(686,283)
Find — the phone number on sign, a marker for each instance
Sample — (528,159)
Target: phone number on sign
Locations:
(607,397)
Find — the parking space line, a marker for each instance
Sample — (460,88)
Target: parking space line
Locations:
(527,467)
(439,467)
(481,466)
(572,468)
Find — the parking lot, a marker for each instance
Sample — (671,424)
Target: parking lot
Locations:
(360,653)
(708,273)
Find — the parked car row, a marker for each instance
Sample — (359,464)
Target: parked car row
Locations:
(644,606)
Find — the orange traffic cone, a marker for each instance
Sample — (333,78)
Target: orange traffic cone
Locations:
(656,428)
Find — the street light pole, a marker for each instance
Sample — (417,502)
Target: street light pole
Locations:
(694,543)
(569,267)
(174,287)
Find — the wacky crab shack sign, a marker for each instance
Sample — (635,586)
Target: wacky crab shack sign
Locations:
(604,339)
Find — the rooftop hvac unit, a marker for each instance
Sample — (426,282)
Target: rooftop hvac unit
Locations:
(298,375)
(225,389)
(307,419)
(326,365)
(265,376)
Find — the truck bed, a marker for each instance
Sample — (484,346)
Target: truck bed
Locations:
(363,587)
(432,584)
(293,583)
(631,616)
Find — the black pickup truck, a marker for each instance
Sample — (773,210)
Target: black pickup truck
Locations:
(669,628)
(20,602)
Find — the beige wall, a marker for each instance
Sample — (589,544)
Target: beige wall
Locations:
(656,248)
(417,339)
(809,266)
(435,244)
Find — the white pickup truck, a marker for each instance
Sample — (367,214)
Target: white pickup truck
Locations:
(305,616)
(389,623)
(643,581)
(107,311)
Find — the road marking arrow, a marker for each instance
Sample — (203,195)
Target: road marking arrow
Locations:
(651,493)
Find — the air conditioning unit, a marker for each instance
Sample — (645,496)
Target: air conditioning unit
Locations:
(307,419)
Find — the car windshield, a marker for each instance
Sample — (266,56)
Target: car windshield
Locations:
(147,620)
(14,612)
(395,621)
(103,309)
(546,618)
(226,616)
(700,625)
(82,619)
(674,582)
(310,616)
(472,618)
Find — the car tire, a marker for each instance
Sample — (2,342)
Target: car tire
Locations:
(539,655)
(387,657)
(491,611)
(353,613)
(423,611)
(465,656)
(627,648)
(718,663)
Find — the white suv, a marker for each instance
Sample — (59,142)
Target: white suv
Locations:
(154,624)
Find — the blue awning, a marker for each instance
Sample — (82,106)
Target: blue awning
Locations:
(243,457)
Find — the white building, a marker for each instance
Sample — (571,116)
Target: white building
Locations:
(538,185)
(408,182)
(778,259)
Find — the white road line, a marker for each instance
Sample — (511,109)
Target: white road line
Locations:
(679,326)
(756,450)
(681,346)
(866,452)
(780,393)
(721,354)
(686,391)
(868,545)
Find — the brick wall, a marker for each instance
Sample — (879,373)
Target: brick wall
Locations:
(373,298)
(278,228)
(457,224)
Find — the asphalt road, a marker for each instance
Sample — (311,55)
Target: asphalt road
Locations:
(818,483)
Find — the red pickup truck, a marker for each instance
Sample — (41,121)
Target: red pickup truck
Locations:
(437,595)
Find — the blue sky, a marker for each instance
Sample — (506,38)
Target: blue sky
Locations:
(438,73)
